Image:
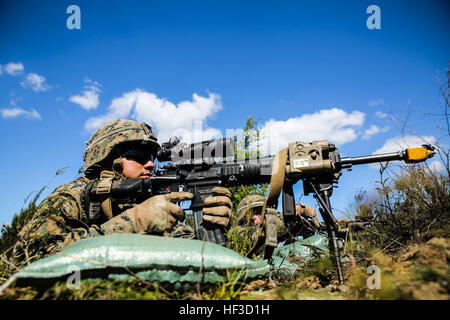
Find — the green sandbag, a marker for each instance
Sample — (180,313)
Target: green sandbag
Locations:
(157,259)
(303,248)
(301,251)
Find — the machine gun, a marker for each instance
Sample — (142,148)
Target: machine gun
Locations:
(199,167)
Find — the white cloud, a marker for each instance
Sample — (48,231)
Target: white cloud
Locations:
(334,125)
(436,166)
(1,69)
(165,117)
(373,130)
(14,99)
(36,82)
(401,143)
(381,114)
(89,99)
(16,112)
(188,120)
(13,69)
(374,103)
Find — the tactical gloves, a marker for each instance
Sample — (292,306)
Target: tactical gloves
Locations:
(158,213)
(218,207)
(302,210)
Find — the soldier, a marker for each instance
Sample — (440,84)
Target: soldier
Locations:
(119,150)
(248,216)
(308,217)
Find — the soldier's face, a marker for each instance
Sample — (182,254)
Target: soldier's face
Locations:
(137,163)
(256,216)
(256,219)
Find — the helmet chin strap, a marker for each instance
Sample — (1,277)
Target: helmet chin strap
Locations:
(106,181)
(118,168)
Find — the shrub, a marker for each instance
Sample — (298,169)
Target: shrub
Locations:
(413,207)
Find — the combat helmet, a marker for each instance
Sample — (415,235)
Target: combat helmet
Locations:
(248,202)
(110,136)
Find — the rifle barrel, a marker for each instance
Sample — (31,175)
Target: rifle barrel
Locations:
(349,161)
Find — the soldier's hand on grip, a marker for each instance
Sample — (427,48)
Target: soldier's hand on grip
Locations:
(159,213)
(302,210)
(218,207)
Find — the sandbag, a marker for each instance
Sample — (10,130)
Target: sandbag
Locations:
(304,248)
(300,251)
(173,261)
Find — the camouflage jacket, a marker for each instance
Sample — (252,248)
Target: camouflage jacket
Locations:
(60,220)
(251,233)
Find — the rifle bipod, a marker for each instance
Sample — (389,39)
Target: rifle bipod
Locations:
(322,193)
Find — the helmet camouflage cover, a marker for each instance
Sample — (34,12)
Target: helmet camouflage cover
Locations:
(248,202)
(111,135)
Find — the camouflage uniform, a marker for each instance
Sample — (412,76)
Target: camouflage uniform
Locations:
(248,206)
(61,219)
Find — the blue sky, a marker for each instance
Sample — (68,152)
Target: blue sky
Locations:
(309,69)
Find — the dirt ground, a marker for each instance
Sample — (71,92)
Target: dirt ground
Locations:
(419,271)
